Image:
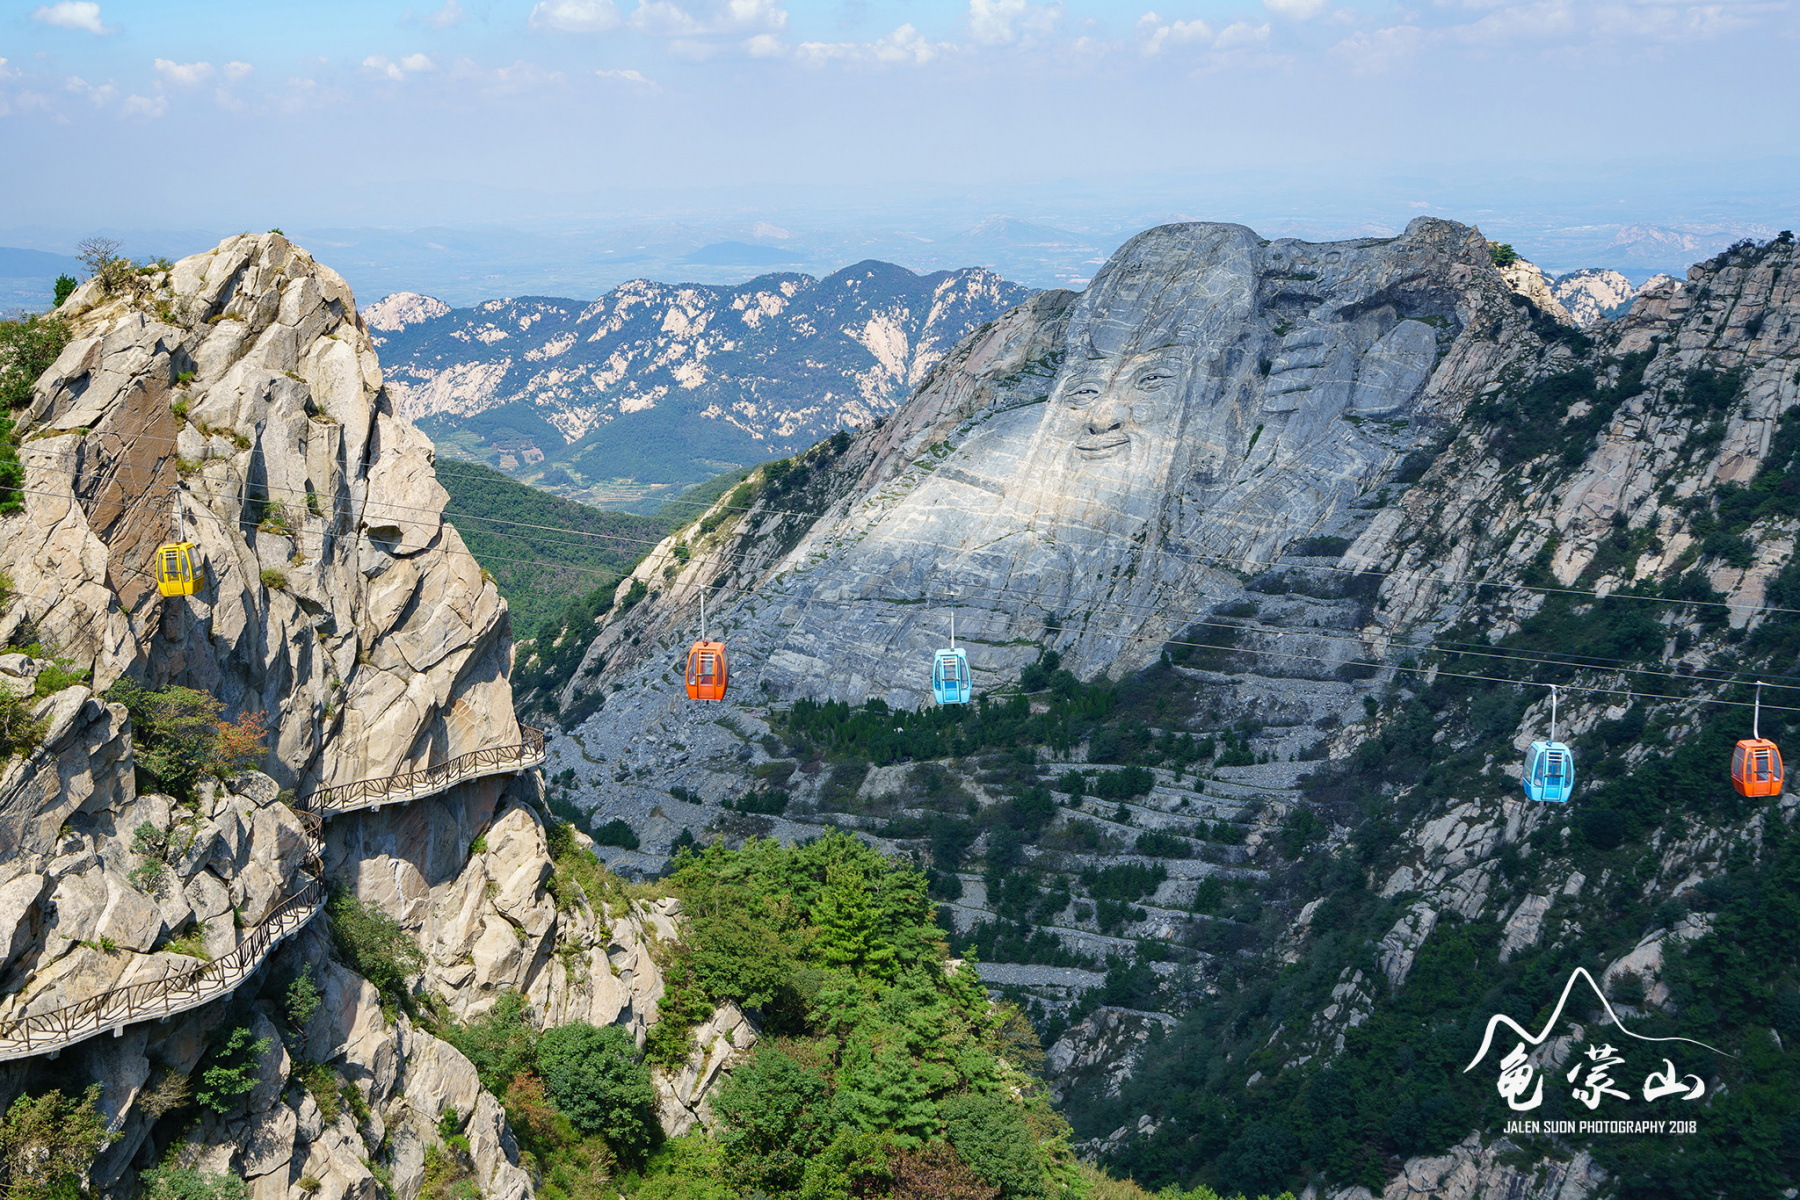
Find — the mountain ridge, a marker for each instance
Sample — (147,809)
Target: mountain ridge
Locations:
(672,383)
(1257,734)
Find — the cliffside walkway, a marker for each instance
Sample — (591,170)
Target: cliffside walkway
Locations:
(429,781)
(29,1033)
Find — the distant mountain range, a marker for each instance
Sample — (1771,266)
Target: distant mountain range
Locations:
(657,385)
(28,277)
(1597,294)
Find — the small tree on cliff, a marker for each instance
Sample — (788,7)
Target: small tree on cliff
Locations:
(179,735)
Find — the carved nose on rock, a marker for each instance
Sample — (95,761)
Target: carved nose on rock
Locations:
(1106,418)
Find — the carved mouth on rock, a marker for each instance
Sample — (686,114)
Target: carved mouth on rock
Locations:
(1101,448)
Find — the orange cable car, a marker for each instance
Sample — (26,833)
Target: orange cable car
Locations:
(1756,764)
(708,670)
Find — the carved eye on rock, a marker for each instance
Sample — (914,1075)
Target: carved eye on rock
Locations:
(1154,378)
(1082,394)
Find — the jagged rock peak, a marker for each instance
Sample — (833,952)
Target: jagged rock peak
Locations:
(242,384)
(1058,477)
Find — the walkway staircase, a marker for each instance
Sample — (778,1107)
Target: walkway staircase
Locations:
(28,1034)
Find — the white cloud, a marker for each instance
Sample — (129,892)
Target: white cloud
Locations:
(72,14)
(997,22)
(906,45)
(757,14)
(1381,51)
(234,71)
(1242,33)
(1299,10)
(99,94)
(665,18)
(575,16)
(765,45)
(412,64)
(451,14)
(1157,36)
(146,106)
(520,78)
(627,76)
(185,74)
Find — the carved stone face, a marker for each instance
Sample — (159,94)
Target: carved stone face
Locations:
(1120,408)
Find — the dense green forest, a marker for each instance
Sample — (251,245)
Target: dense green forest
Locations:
(882,1070)
(543,550)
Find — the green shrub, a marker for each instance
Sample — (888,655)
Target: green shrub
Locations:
(20,731)
(27,348)
(234,1070)
(771,802)
(594,1078)
(179,735)
(325,1087)
(188,1183)
(616,833)
(274,578)
(65,287)
(1124,783)
(48,1142)
(374,945)
(691,1167)
(302,998)
(1160,843)
(500,1043)
(990,1134)
(60,674)
(1502,253)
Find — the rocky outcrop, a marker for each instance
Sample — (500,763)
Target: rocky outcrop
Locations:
(1531,282)
(1471,1171)
(1594,295)
(1073,458)
(684,1095)
(235,401)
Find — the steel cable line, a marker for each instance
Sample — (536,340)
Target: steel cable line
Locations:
(1433,672)
(1453,581)
(1423,671)
(1592,662)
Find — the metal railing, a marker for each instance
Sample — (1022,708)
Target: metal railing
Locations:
(428,781)
(39,1033)
(152,999)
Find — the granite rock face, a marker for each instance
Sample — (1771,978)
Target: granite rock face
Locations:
(235,401)
(240,390)
(1210,435)
(1097,471)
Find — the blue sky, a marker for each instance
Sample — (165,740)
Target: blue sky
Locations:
(1546,113)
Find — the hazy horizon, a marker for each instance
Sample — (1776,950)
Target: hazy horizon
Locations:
(473,150)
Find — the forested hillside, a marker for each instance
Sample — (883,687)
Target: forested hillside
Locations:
(545,552)
(1236,817)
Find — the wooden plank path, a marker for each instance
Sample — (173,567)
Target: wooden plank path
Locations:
(27,1034)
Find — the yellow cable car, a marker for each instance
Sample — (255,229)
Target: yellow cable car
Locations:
(179,571)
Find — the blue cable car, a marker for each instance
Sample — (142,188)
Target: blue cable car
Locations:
(1550,766)
(950,672)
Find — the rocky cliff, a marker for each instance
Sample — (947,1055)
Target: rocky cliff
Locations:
(1343,511)
(156,907)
